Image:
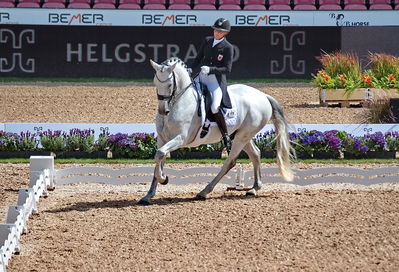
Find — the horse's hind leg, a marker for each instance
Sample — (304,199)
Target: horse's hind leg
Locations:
(228,164)
(254,155)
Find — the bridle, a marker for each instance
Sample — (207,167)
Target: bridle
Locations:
(169,97)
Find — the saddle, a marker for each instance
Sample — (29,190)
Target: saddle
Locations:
(208,112)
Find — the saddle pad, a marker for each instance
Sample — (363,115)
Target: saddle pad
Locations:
(230,115)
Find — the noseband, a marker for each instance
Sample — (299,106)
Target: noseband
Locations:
(167,97)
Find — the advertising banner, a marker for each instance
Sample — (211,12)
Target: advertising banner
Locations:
(181,18)
(124,52)
(37,128)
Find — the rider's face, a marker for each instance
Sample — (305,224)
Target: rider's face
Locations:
(219,34)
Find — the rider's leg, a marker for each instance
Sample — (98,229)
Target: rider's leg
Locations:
(223,129)
(217,113)
(216,93)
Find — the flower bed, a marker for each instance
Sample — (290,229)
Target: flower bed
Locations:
(342,71)
(76,143)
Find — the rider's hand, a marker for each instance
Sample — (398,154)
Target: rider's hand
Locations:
(205,70)
(190,71)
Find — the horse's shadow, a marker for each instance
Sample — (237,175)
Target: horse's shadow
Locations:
(166,201)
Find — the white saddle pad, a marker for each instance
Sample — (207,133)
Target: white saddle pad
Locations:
(230,115)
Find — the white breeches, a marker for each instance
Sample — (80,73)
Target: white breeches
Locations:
(216,92)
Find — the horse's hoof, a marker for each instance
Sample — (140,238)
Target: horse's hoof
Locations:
(165,181)
(200,197)
(251,192)
(144,202)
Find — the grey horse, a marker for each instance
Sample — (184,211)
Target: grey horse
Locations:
(178,125)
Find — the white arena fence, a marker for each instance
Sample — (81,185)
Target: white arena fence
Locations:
(44,177)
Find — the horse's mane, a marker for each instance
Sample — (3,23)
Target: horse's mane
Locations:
(173,60)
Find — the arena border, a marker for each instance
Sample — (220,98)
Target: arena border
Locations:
(44,177)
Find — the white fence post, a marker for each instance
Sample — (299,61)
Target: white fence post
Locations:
(37,166)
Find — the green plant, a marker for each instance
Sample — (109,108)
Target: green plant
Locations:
(53,141)
(343,71)
(136,145)
(384,66)
(25,141)
(340,71)
(379,112)
(102,141)
(266,141)
(392,140)
(80,140)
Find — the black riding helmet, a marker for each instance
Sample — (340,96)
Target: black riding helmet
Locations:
(222,24)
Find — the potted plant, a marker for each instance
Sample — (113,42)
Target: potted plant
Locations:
(339,79)
(135,145)
(80,143)
(52,141)
(317,144)
(382,77)
(266,142)
(22,145)
(392,141)
(378,147)
(354,147)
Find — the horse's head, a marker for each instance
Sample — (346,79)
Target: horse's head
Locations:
(165,82)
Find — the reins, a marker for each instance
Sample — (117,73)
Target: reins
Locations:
(170,97)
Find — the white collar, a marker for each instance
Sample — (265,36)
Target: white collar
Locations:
(215,42)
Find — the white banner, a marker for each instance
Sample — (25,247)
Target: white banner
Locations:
(176,18)
(354,129)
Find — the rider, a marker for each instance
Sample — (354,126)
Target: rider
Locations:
(216,57)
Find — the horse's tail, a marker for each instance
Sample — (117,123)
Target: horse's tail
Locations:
(284,148)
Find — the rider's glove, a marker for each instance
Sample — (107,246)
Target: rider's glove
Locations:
(205,70)
(190,71)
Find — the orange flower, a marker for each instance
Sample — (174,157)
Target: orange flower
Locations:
(367,80)
(391,77)
(342,78)
(326,78)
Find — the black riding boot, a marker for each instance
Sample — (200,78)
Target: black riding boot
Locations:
(223,129)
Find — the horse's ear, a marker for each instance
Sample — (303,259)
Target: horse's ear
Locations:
(171,67)
(155,65)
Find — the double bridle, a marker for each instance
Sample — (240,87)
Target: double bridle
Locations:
(169,97)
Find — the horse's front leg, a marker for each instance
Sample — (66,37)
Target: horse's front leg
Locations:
(160,157)
(159,176)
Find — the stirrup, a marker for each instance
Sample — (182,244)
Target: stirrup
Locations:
(227,143)
(205,130)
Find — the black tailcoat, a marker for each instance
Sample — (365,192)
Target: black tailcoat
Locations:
(220,59)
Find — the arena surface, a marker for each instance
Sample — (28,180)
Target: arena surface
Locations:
(93,227)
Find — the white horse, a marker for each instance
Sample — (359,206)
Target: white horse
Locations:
(178,125)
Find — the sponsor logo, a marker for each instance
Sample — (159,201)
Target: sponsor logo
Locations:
(78,18)
(4,17)
(160,19)
(290,43)
(341,21)
(16,42)
(256,20)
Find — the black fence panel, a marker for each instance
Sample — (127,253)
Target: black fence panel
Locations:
(124,52)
